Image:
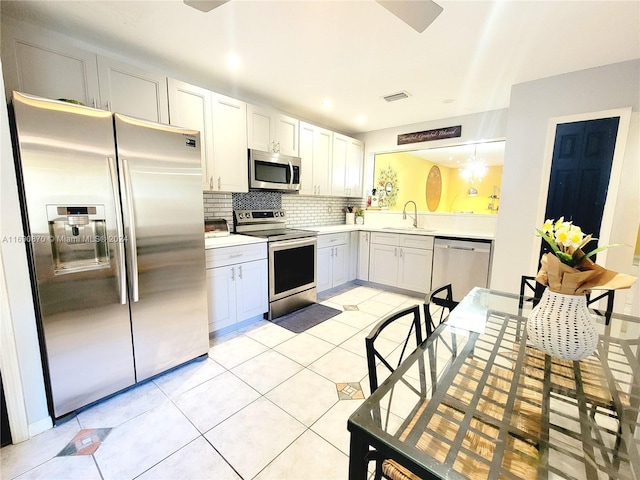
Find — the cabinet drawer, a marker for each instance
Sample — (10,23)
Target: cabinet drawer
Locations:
(333,239)
(416,241)
(220,257)
(385,238)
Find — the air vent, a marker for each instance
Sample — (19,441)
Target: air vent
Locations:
(396,96)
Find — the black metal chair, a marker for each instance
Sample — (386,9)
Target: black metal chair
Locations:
(374,355)
(609,294)
(442,299)
(529,285)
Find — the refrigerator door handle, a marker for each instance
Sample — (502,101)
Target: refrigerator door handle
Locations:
(133,250)
(122,276)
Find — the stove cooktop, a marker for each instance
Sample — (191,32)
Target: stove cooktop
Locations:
(280,234)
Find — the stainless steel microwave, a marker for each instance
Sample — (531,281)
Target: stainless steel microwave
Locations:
(274,171)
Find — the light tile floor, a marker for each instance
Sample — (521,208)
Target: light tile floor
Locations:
(264,404)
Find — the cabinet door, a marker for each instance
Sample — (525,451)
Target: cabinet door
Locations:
(307,144)
(340,265)
(252,290)
(354,241)
(383,264)
(190,107)
(355,161)
(363,256)
(230,144)
(339,164)
(324,268)
(286,138)
(260,132)
(128,90)
(41,65)
(322,155)
(415,269)
(221,297)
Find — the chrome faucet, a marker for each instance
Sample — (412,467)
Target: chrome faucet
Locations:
(415,213)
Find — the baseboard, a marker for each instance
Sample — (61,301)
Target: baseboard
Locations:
(40,426)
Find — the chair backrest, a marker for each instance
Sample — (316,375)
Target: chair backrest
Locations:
(529,286)
(374,354)
(437,305)
(609,294)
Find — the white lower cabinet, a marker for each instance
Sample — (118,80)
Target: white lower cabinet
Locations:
(333,260)
(237,285)
(402,261)
(363,255)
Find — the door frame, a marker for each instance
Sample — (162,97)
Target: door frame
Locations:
(614,179)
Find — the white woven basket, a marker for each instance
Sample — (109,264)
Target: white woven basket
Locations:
(562,326)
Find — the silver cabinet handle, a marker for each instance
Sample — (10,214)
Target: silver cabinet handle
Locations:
(95,103)
(400,253)
(122,271)
(233,274)
(211,182)
(133,249)
(395,252)
(240,272)
(219,183)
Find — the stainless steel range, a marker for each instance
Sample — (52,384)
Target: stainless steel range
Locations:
(292,259)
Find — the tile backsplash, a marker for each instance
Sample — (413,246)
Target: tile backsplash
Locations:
(302,211)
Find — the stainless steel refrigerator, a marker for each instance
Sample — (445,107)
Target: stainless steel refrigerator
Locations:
(114,222)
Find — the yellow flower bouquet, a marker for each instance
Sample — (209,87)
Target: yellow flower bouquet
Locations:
(568,269)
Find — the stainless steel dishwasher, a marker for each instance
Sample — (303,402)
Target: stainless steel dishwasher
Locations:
(462,263)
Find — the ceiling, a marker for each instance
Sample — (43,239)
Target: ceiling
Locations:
(330,62)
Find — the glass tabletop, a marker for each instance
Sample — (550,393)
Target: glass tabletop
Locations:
(475,401)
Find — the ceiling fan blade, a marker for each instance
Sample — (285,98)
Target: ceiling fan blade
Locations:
(205,5)
(418,14)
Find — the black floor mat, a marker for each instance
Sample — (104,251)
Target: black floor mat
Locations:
(305,318)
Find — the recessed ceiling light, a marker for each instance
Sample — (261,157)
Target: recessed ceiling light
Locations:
(327,104)
(234,62)
(361,119)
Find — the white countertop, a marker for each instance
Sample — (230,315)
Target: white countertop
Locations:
(231,240)
(418,231)
(236,239)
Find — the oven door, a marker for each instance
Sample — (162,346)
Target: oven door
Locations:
(292,267)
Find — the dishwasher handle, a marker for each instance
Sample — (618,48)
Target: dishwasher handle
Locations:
(468,248)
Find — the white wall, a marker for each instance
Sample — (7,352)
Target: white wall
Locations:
(19,297)
(525,176)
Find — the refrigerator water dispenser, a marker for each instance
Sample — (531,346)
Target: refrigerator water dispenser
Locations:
(79,240)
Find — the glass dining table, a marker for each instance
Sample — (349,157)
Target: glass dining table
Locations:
(475,401)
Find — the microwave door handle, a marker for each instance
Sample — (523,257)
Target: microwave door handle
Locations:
(122,277)
(132,231)
(290,176)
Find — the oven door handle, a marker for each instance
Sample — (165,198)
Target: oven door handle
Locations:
(296,242)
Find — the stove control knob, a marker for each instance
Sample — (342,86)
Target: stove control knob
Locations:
(241,215)
(282,214)
(277,214)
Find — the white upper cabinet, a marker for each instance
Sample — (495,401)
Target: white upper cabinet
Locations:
(43,65)
(222,122)
(339,165)
(271,131)
(355,165)
(131,91)
(230,161)
(190,107)
(316,146)
(347,166)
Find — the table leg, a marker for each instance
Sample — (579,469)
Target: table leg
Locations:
(358,461)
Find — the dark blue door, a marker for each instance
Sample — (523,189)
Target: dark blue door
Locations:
(580,171)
